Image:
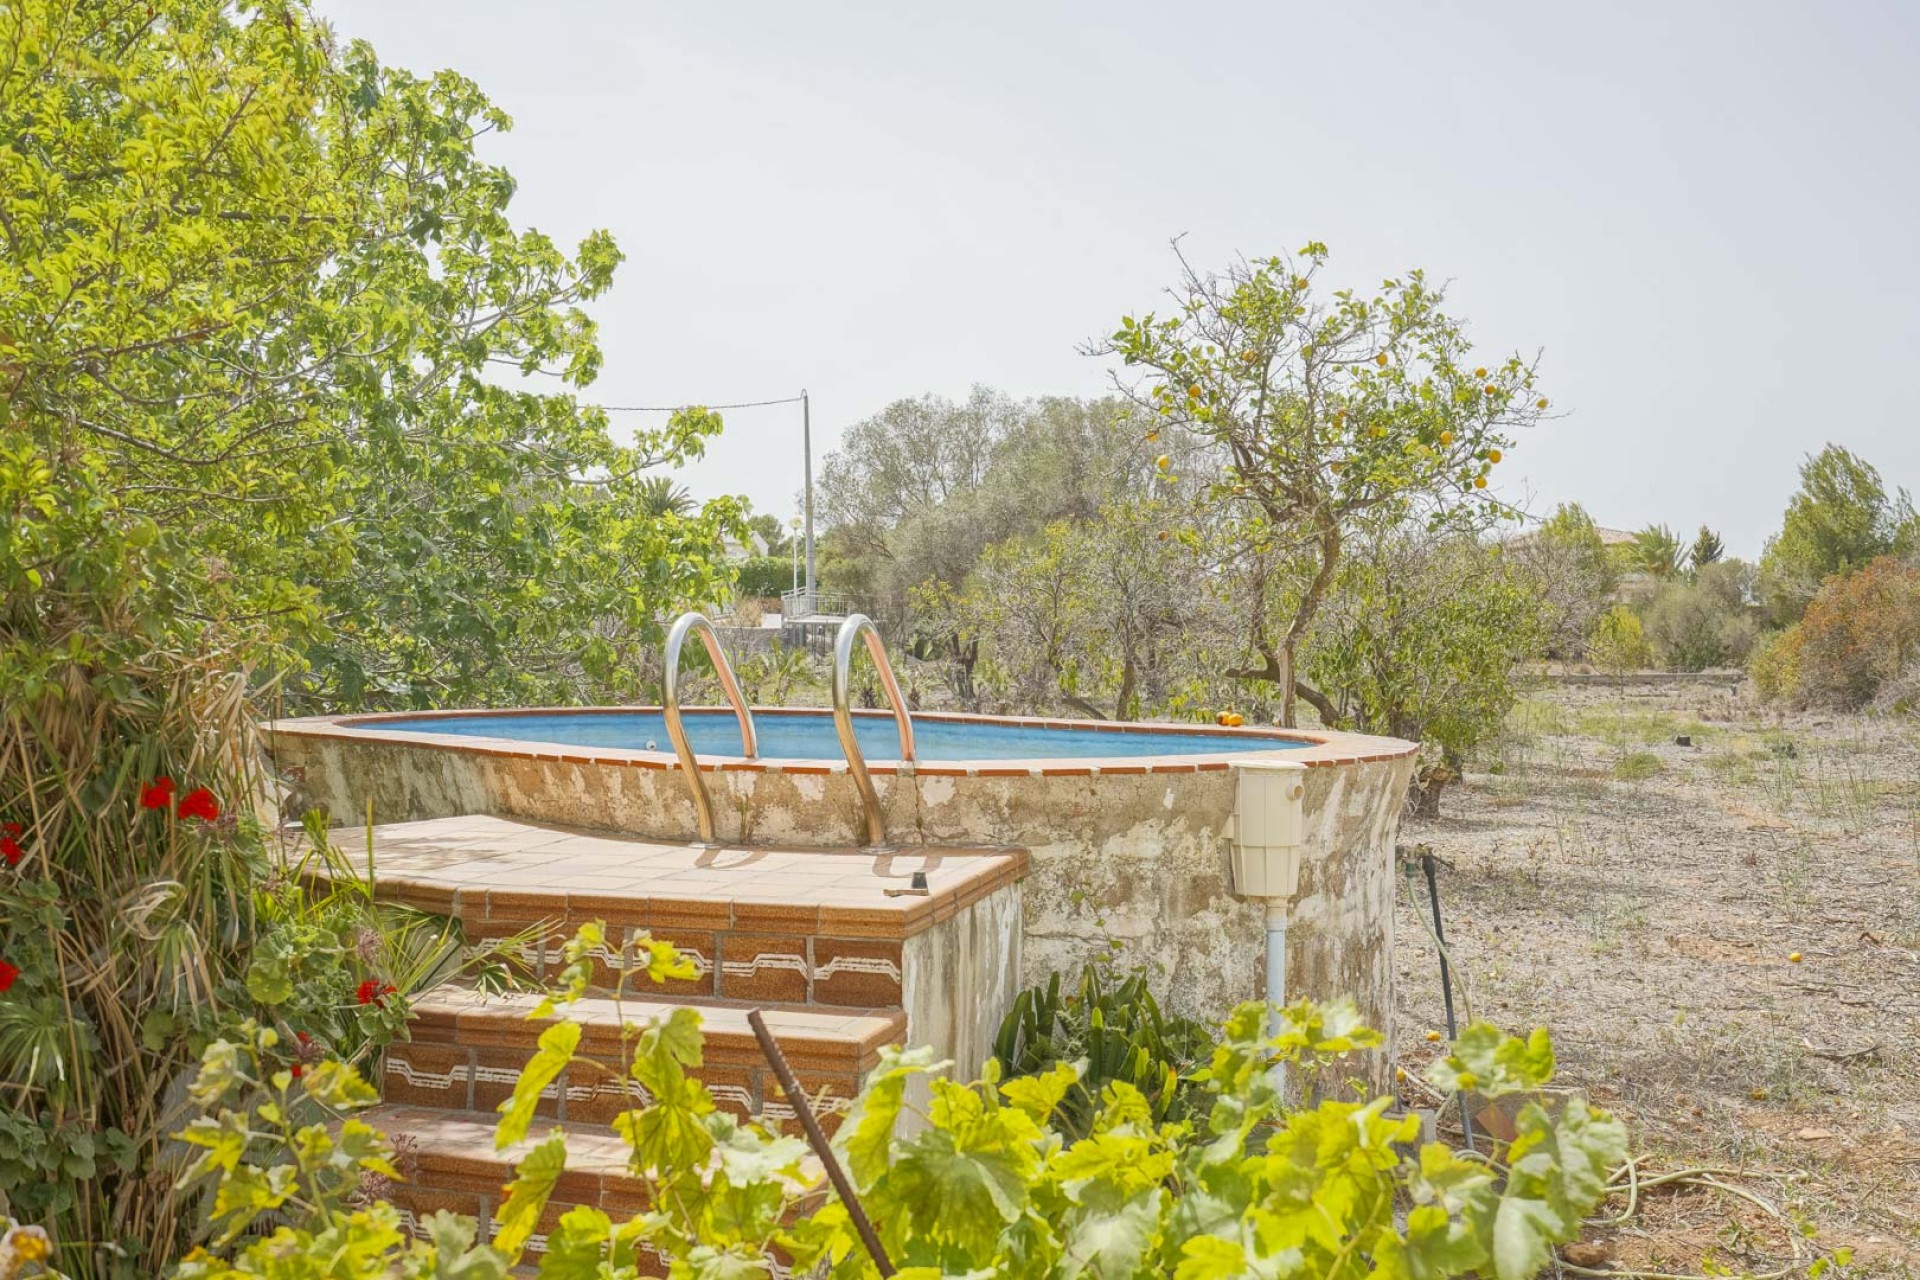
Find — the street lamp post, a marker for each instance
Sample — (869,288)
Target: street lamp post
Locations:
(806,437)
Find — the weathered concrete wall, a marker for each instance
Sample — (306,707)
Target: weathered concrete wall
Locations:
(961,977)
(1135,857)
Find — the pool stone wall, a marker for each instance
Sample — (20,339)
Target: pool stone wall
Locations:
(1125,854)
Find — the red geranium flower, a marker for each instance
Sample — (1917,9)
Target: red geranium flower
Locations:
(199,803)
(10,850)
(373,992)
(7,974)
(157,794)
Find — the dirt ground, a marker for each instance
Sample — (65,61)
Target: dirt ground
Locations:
(1645,900)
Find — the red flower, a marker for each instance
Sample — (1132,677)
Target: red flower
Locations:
(199,803)
(296,1070)
(11,829)
(157,794)
(373,992)
(10,850)
(7,974)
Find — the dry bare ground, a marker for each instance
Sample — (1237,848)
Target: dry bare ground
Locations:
(1644,899)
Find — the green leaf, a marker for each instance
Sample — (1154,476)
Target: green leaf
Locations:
(557,1045)
(1492,1063)
(866,1135)
(532,1185)
(1211,1258)
(576,1248)
(1110,1239)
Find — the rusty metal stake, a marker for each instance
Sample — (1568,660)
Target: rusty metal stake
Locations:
(818,1141)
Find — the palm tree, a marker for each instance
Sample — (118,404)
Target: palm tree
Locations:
(1656,551)
(660,496)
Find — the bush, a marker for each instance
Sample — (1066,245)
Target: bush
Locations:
(1860,634)
(1115,1030)
(1619,642)
(1705,622)
(764,576)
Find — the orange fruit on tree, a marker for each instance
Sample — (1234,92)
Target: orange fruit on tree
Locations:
(1490,389)
(1381,359)
(1152,436)
(1163,462)
(1541,403)
(1480,372)
(1193,392)
(1479,482)
(1446,437)
(1493,455)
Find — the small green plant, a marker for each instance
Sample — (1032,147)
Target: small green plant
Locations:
(1115,1028)
(1637,766)
(290,1167)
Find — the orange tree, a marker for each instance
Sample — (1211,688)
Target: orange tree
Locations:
(1319,408)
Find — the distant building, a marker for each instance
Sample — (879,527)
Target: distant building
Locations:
(735,549)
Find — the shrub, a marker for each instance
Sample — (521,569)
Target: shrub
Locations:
(1860,632)
(1421,639)
(1619,642)
(1114,1028)
(1705,622)
(764,576)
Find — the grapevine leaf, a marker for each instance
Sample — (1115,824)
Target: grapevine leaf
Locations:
(557,1045)
(1108,1238)
(1039,1095)
(1211,1258)
(867,1134)
(527,1195)
(1491,1063)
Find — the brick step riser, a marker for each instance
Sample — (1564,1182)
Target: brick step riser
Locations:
(595,1087)
(760,968)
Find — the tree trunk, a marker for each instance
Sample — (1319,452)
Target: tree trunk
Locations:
(1303,617)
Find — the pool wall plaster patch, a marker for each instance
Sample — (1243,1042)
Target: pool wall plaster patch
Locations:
(1133,850)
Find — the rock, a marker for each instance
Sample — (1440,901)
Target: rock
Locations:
(1814,1135)
(1586,1253)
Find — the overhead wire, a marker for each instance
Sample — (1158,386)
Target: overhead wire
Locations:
(676,408)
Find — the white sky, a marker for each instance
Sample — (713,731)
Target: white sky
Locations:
(1703,212)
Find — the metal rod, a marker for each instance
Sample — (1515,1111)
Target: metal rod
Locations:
(856,625)
(670,710)
(1446,980)
(817,1139)
(806,438)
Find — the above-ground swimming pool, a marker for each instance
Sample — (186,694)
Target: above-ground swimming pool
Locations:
(809,735)
(1128,825)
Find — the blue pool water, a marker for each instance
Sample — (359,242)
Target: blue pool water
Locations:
(812,737)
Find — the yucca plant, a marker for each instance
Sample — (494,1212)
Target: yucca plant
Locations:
(1115,1025)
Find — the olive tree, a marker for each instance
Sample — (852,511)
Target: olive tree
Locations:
(1324,409)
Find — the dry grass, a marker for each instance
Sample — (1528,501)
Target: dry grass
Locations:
(1643,899)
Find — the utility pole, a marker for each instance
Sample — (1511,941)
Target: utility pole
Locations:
(806,437)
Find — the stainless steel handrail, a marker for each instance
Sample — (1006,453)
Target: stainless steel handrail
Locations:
(843,714)
(670,710)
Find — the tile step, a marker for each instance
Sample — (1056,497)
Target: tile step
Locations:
(448,1161)
(467,1049)
(483,868)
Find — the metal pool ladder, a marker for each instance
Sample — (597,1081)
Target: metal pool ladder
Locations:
(670,710)
(843,714)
